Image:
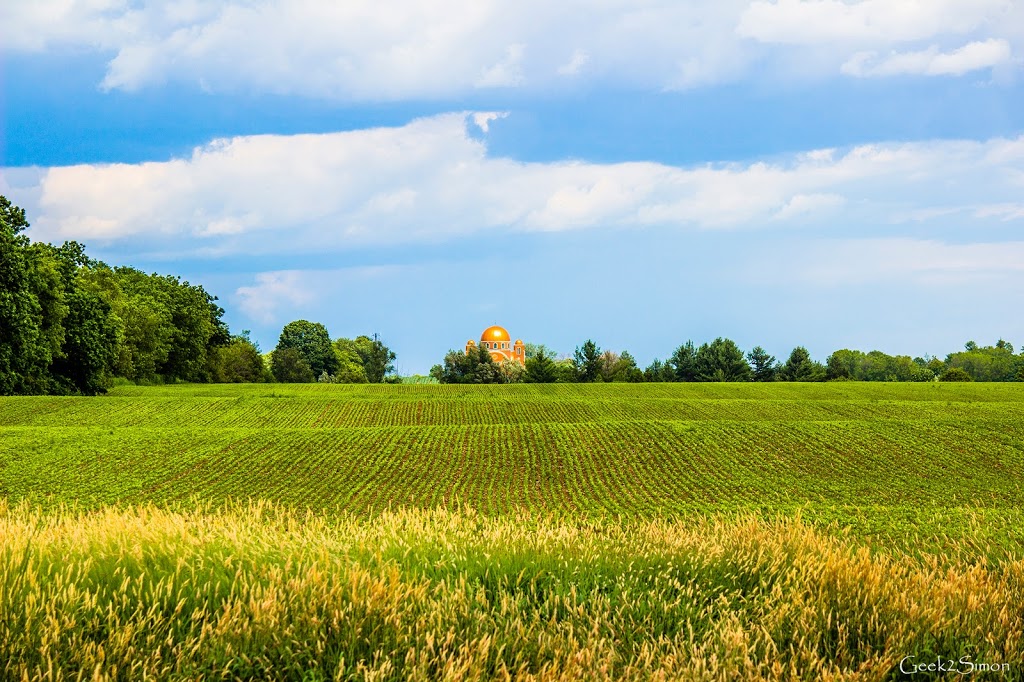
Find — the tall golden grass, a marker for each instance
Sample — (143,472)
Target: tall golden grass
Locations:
(260,592)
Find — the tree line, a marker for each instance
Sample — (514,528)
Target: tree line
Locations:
(70,324)
(723,360)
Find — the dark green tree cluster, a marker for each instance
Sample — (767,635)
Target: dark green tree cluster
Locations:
(988,363)
(475,367)
(70,324)
(877,366)
(974,363)
(240,362)
(305,353)
(722,360)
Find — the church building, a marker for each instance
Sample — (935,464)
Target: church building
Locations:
(496,340)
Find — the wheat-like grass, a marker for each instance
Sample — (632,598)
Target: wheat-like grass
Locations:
(260,592)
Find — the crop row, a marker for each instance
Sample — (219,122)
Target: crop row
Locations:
(942,392)
(332,413)
(640,468)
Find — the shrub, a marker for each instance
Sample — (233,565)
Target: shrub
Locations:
(955,374)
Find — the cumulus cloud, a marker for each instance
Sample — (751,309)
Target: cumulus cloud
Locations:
(884,37)
(361,50)
(432,181)
(930,62)
(273,291)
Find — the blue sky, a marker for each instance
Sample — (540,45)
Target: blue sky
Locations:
(815,172)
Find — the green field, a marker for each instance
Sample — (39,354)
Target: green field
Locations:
(560,532)
(937,459)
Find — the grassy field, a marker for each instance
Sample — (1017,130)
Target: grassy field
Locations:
(537,532)
(886,460)
(257,592)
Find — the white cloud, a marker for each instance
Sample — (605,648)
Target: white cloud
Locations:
(821,22)
(506,73)
(803,205)
(361,50)
(1004,212)
(482,119)
(431,181)
(930,62)
(575,64)
(274,291)
(281,295)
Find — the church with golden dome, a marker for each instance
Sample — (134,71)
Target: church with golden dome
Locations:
(498,342)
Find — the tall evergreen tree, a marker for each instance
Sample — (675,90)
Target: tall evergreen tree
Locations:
(762,364)
(587,361)
(800,367)
(540,369)
(659,371)
(684,362)
(721,360)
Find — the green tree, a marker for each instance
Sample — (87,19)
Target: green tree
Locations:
(511,372)
(955,374)
(721,360)
(239,362)
(80,323)
(625,369)
(659,371)
(800,367)
(89,348)
(540,369)
(587,361)
(22,350)
(533,349)
(565,371)
(312,342)
(142,312)
(837,366)
(378,360)
(876,366)
(762,364)
(986,363)
(198,328)
(475,367)
(606,371)
(684,362)
(350,362)
(290,367)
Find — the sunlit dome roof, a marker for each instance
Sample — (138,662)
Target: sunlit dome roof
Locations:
(495,333)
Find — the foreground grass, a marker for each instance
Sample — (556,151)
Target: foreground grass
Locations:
(258,591)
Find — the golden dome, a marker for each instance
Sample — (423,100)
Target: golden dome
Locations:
(495,333)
